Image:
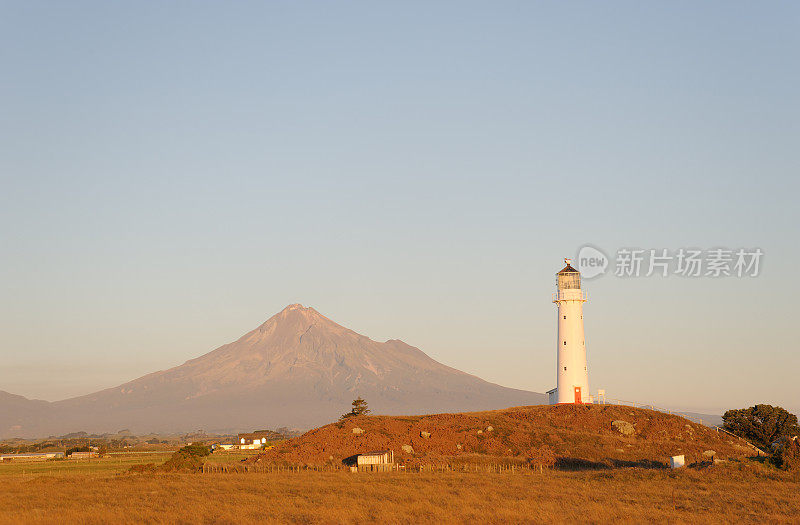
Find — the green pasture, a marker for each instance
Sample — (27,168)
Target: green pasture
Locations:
(226,457)
(106,465)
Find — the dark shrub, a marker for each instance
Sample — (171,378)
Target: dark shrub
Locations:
(787,454)
(188,458)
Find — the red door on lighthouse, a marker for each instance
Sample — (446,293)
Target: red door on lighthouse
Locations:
(578,398)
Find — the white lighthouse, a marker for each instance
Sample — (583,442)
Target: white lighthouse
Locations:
(573,375)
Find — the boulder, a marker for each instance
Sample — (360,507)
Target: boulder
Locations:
(623,427)
(480,431)
(408,449)
(358,431)
(424,435)
(489,428)
(709,453)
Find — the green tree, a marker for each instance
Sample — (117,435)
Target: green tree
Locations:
(196,449)
(762,425)
(360,408)
(80,448)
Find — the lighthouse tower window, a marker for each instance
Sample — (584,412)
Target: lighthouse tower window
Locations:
(565,317)
(565,343)
(565,369)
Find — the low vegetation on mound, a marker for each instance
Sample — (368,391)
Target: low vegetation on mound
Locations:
(189,458)
(569,436)
(186,459)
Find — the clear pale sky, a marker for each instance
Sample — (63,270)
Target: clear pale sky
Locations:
(173,174)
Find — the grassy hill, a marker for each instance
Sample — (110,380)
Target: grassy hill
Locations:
(580,436)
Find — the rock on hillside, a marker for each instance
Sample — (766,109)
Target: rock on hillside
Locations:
(580,436)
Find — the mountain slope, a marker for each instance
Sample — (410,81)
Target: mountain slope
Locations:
(298,368)
(17,413)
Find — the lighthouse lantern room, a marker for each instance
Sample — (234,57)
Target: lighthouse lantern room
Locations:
(573,375)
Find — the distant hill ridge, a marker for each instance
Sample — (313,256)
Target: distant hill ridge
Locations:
(297,369)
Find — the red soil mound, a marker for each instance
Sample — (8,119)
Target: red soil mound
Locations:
(579,435)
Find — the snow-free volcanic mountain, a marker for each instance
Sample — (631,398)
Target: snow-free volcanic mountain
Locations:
(298,369)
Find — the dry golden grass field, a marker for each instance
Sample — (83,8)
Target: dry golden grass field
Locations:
(107,492)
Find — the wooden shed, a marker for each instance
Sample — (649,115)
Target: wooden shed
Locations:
(380,461)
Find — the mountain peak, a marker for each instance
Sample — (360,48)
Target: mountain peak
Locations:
(297,310)
(298,368)
(296,306)
(295,318)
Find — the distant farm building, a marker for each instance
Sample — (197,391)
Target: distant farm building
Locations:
(257,439)
(31,456)
(380,461)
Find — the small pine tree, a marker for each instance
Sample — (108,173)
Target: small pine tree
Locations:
(360,408)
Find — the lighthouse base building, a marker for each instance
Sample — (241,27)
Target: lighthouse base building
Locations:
(572,374)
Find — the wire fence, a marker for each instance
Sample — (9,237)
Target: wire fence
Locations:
(486,468)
